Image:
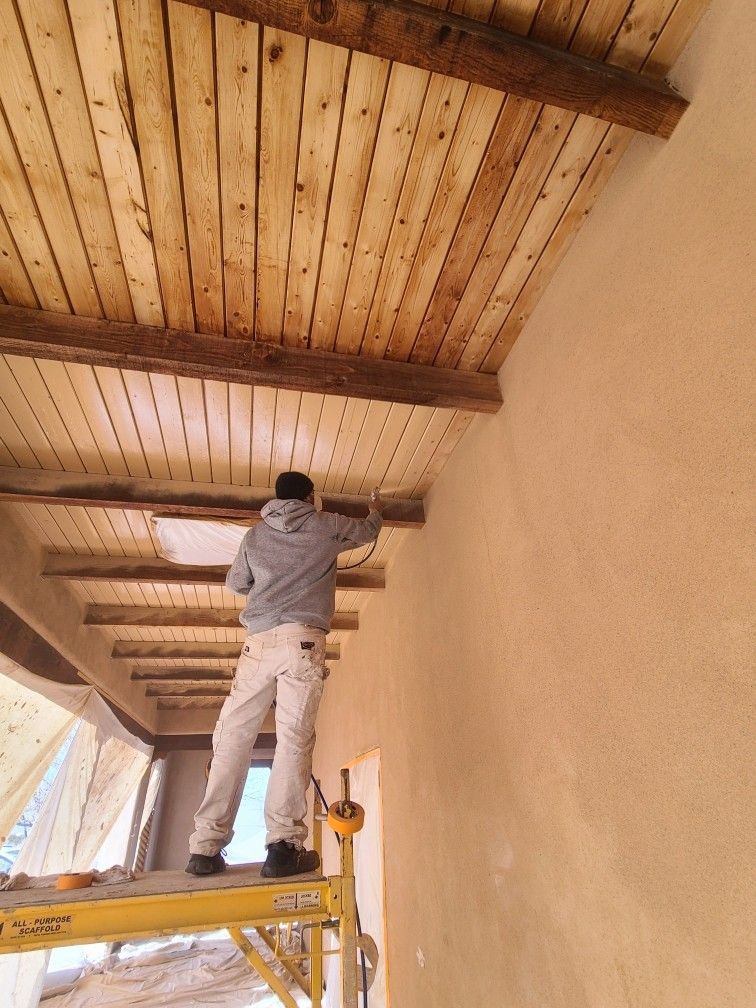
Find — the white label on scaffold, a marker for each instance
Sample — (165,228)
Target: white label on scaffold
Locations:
(296,901)
(307,900)
(286,901)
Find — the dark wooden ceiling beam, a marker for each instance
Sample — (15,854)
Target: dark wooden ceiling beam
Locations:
(178,497)
(157,571)
(58,336)
(188,690)
(189,649)
(189,703)
(471,50)
(154,616)
(196,676)
(266,742)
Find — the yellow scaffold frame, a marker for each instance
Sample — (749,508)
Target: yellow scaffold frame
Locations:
(29,920)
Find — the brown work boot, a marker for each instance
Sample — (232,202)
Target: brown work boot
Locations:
(287,859)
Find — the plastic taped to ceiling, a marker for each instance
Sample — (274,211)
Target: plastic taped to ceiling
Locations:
(197,541)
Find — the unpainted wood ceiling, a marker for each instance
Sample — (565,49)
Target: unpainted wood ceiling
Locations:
(166,165)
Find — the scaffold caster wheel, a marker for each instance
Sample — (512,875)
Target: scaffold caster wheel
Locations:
(343,824)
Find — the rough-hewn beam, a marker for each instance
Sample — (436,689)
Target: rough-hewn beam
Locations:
(144,569)
(264,746)
(155,674)
(189,649)
(178,497)
(66,337)
(154,616)
(458,46)
(188,690)
(188,703)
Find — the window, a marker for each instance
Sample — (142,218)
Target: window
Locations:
(248,845)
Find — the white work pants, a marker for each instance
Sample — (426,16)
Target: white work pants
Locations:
(287,664)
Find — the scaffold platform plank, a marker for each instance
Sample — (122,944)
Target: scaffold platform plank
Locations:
(158,903)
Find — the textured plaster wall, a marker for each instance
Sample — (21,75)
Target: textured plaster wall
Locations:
(559,674)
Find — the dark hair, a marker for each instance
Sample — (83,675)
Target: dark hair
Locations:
(293,486)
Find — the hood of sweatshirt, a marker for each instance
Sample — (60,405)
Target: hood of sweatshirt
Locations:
(286,515)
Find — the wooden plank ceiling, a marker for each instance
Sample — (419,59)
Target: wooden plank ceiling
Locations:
(171,167)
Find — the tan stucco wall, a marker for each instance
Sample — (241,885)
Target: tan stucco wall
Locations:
(55,611)
(559,672)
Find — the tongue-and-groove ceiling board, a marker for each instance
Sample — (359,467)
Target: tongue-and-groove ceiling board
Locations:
(165,165)
(174,167)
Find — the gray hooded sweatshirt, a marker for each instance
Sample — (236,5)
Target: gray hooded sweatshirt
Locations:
(286,565)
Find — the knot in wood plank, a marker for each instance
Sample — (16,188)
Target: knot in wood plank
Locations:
(321,11)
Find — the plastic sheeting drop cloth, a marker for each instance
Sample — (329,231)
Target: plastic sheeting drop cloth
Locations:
(194,541)
(100,772)
(186,972)
(33,726)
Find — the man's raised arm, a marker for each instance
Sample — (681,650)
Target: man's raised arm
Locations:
(353,532)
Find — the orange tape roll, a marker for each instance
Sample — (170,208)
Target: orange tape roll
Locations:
(340,824)
(75,880)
